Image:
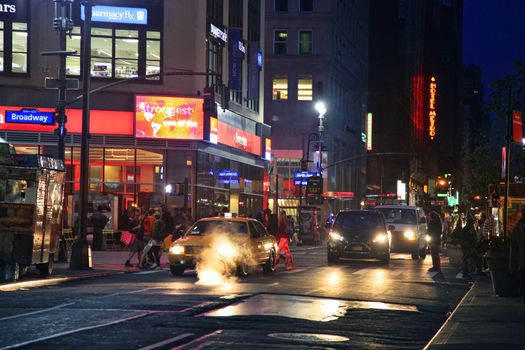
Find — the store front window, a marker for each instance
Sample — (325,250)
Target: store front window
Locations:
(240,192)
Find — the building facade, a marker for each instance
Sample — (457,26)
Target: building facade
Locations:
(415,85)
(156,131)
(317,51)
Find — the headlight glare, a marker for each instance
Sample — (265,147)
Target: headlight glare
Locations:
(380,238)
(410,235)
(226,250)
(428,238)
(177,249)
(336,236)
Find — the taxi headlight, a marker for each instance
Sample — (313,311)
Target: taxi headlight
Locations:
(380,238)
(268,246)
(177,249)
(226,250)
(428,238)
(336,236)
(410,235)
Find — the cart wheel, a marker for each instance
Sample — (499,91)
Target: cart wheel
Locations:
(47,268)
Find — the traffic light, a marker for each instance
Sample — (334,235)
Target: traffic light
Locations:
(304,165)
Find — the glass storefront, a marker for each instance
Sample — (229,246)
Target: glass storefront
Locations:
(240,192)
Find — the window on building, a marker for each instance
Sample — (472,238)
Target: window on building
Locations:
(117,53)
(280,88)
(304,88)
(1,46)
(19,48)
(281,5)
(280,42)
(306,5)
(153,54)
(305,42)
(73,43)
(214,62)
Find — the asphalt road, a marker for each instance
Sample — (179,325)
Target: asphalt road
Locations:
(350,305)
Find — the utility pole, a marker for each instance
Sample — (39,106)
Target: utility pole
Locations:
(508,145)
(63,23)
(81,252)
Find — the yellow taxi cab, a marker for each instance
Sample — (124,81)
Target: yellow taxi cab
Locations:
(238,243)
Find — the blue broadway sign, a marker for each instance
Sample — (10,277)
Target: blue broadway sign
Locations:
(116,14)
(29,116)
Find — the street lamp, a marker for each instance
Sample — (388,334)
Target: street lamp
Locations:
(320,107)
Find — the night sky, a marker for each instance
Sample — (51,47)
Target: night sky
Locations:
(493,36)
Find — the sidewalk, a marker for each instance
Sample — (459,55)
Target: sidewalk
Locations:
(483,321)
(105,263)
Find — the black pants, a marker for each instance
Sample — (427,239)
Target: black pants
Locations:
(435,249)
(155,251)
(98,239)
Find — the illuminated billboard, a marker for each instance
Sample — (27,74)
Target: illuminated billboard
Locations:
(240,139)
(166,117)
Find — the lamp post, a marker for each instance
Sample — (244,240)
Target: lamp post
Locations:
(320,107)
(81,253)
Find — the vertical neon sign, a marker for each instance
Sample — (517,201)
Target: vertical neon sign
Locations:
(369,132)
(432,114)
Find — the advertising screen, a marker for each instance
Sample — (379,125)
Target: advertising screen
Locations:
(240,139)
(167,117)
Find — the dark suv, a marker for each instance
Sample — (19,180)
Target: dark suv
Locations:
(359,234)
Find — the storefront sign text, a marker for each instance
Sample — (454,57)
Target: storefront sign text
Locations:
(218,33)
(116,14)
(432,114)
(7,8)
(240,139)
(169,117)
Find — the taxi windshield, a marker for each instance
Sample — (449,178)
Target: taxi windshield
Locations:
(203,228)
(399,216)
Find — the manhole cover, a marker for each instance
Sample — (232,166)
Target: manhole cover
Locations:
(310,337)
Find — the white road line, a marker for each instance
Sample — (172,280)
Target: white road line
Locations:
(459,275)
(185,346)
(147,272)
(57,335)
(167,341)
(293,271)
(362,271)
(397,272)
(432,273)
(35,312)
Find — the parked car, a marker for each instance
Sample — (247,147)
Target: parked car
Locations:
(359,234)
(410,229)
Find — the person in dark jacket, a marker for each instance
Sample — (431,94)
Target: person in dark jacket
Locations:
(468,248)
(169,227)
(517,253)
(434,231)
(99,221)
(157,236)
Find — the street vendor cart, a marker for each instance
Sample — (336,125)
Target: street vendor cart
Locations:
(31,194)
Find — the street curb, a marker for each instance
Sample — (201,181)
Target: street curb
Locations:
(12,287)
(445,324)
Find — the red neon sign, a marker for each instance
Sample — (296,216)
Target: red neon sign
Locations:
(240,139)
(101,121)
(167,117)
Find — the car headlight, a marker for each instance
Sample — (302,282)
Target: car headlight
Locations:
(268,246)
(226,250)
(428,238)
(380,238)
(336,236)
(410,235)
(177,249)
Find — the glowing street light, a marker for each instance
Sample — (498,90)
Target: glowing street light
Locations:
(320,107)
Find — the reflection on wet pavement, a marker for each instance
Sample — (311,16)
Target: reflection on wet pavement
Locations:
(308,308)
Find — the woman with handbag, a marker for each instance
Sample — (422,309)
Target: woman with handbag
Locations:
(135,228)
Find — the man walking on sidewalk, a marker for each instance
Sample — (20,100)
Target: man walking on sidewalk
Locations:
(517,253)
